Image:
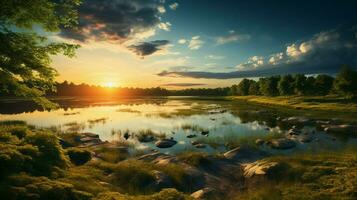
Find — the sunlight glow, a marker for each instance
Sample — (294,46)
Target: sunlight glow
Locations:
(110,84)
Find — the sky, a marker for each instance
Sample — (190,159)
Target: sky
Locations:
(206,43)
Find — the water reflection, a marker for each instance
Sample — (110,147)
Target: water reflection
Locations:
(141,122)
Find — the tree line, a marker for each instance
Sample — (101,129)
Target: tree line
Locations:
(345,83)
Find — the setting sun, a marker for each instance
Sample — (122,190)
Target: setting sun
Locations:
(110,84)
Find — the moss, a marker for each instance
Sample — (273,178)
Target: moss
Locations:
(194,158)
(165,194)
(79,156)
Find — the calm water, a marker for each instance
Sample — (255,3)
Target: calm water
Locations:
(175,118)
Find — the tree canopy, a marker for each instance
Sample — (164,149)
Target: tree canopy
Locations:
(25,55)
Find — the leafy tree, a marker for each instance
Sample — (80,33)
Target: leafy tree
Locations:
(25,56)
(310,86)
(269,86)
(253,88)
(243,87)
(300,84)
(346,82)
(286,85)
(323,84)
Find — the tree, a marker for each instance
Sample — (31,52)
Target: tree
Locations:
(269,86)
(346,82)
(243,87)
(254,88)
(300,84)
(323,84)
(285,85)
(25,60)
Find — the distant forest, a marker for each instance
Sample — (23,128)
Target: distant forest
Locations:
(345,83)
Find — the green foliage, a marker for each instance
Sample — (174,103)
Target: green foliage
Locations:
(243,87)
(285,85)
(323,84)
(346,82)
(79,156)
(269,86)
(25,187)
(25,56)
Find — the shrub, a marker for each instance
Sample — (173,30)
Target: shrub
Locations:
(79,156)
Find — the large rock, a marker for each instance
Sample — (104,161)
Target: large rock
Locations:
(165,143)
(244,154)
(282,143)
(262,168)
(88,139)
(206,193)
(345,128)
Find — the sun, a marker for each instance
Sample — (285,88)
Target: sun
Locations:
(109,84)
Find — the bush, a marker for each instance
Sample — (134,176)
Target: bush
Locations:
(79,156)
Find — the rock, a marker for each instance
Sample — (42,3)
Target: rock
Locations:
(204,132)
(161,180)
(64,143)
(294,131)
(259,141)
(126,135)
(194,142)
(206,193)
(298,120)
(165,143)
(305,138)
(200,146)
(282,143)
(88,139)
(345,128)
(260,167)
(243,154)
(191,136)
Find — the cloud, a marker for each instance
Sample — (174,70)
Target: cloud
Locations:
(215,57)
(232,37)
(161,9)
(166,26)
(148,48)
(184,84)
(195,43)
(114,21)
(174,6)
(324,52)
(182,41)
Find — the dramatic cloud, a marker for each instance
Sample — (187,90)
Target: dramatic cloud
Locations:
(184,84)
(161,9)
(215,57)
(325,52)
(148,48)
(164,26)
(115,21)
(174,6)
(231,37)
(195,43)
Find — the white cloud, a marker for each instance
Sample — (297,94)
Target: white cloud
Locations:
(276,58)
(215,57)
(166,26)
(161,9)
(232,37)
(182,41)
(174,6)
(195,43)
(253,62)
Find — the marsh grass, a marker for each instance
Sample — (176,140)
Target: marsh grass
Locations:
(192,127)
(148,135)
(93,122)
(74,127)
(128,110)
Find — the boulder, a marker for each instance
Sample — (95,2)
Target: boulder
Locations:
(200,146)
(345,128)
(88,139)
(261,168)
(259,141)
(282,143)
(204,132)
(191,136)
(244,154)
(206,193)
(165,143)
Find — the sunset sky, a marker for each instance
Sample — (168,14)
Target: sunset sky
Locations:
(206,43)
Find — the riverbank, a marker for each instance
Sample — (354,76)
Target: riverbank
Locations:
(38,163)
(325,107)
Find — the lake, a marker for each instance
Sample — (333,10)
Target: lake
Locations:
(216,123)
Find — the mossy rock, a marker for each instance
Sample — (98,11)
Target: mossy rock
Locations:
(79,156)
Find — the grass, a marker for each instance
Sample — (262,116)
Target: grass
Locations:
(192,127)
(316,106)
(148,135)
(323,175)
(128,110)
